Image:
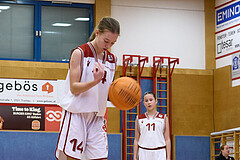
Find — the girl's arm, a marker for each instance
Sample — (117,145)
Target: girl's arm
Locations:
(167,139)
(137,135)
(76,86)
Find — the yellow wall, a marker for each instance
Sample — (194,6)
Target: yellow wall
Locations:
(209,9)
(192,102)
(102,8)
(33,70)
(226,100)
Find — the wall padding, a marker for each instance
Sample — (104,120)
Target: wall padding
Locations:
(226,100)
(192,147)
(192,104)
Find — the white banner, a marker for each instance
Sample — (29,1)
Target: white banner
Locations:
(28,91)
(228,42)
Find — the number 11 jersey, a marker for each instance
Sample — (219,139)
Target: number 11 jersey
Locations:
(151,131)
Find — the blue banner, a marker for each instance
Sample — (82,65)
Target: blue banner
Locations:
(228,13)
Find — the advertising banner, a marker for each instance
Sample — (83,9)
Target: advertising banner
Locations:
(227,15)
(52,118)
(30,104)
(23,117)
(31,117)
(228,42)
(227,36)
(26,91)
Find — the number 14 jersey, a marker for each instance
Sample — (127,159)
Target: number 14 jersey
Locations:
(151,130)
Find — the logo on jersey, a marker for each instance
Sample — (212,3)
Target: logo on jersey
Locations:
(160,116)
(110,57)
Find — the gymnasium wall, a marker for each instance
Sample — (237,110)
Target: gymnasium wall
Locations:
(192,101)
(192,114)
(226,104)
(33,70)
(226,100)
(168,28)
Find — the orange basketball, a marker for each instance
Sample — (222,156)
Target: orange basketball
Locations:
(125,93)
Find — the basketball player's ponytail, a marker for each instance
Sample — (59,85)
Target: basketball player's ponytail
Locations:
(92,37)
(107,23)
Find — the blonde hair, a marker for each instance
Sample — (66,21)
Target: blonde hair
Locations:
(107,23)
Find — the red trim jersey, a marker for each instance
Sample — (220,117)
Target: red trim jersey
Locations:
(94,99)
(151,130)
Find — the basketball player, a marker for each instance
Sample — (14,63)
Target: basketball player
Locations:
(1,122)
(152,139)
(91,72)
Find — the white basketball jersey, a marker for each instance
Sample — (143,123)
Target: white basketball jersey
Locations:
(151,130)
(94,99)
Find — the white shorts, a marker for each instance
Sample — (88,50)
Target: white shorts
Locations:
(82,133)
(159,154)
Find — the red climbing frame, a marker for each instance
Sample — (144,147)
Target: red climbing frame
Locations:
(127,61)
(158,61)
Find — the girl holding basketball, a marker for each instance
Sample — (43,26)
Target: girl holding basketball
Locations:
(152,139)
(91,71)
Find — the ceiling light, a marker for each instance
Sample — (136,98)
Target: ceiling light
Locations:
(61,24)
(4,7)
(82,19)
(50,32)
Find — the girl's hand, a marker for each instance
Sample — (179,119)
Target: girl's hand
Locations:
(98,72)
